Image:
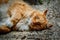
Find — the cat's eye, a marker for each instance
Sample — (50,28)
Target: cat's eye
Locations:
(37,17)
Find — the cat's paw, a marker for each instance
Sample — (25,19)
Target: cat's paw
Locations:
(4,29)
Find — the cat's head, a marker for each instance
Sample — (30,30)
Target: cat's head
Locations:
(39,21)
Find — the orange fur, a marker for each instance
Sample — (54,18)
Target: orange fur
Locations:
(39,20)
(20,11)
(4,29)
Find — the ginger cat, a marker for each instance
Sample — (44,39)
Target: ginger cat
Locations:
(24,17)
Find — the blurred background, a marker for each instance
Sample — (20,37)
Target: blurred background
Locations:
(53,16)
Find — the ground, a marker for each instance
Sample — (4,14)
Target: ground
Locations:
(53,16)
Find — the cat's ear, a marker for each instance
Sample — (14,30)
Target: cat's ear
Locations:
(45,12)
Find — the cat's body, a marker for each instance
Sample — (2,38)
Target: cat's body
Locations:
(24,17)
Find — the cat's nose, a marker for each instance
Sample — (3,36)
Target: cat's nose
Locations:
(49,25)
